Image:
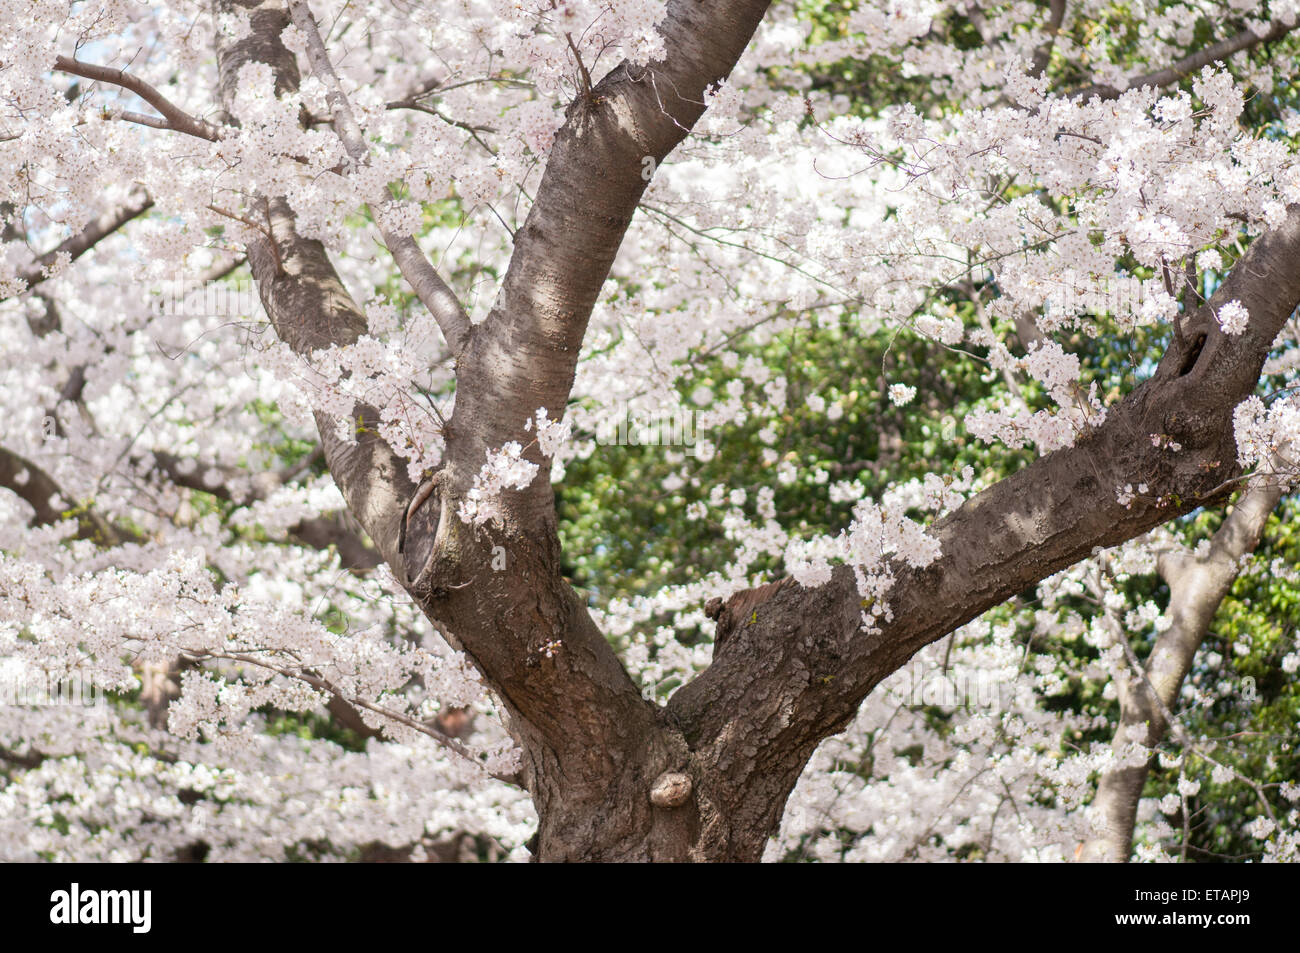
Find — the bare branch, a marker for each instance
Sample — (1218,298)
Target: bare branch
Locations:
(416,268)
(1185,67)
(1197,586)
(174,117)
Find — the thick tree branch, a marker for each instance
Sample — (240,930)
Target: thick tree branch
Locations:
(523,357)
(322,532)
(32,760)
(594,747)
(34,485)
(308,304)
(796,670)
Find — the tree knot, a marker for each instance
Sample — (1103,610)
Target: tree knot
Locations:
(671,789)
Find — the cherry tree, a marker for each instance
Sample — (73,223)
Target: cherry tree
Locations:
(312,307)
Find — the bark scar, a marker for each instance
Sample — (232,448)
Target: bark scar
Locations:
(427,522)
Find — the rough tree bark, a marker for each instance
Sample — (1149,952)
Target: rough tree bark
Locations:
(795,666)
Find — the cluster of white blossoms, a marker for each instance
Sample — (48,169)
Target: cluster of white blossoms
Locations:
(1049,429)
(505,469)
(551,434)
(1233,317)
(872,797)
(900,395)
(218,773)
(1266,434)
(542,36)
(269,646)
(129,793)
